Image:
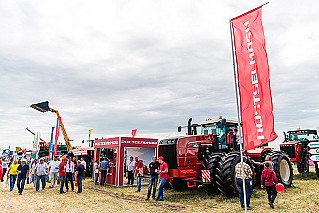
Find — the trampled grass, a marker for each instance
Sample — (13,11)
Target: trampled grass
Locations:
(303,196)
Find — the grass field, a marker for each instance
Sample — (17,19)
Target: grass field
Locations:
(303,196)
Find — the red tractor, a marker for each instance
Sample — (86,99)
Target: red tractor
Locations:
(209,159)
(298,144)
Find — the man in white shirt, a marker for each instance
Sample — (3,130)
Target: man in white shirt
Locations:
(54,170)
(40,171)
(84,164)
(33,175)
(130,175)
(69,174)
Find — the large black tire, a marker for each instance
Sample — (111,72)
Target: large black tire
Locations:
(282,167)
(225,174)
(211,164)
(317,169)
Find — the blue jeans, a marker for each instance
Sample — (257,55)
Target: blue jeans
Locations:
(103,177)
(152,181)
(12,181)
(139,182)
(63,178)
(241,191)
(21,183)
(37,183)
(79,181)
(162,181)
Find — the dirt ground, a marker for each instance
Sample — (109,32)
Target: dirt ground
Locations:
(303,196)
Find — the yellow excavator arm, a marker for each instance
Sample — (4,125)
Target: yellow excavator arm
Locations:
(66,138)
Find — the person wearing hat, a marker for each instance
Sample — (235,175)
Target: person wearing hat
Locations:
(40,171)
(54,170)
(138,165)
(162,178)
(62,174)
(23,173)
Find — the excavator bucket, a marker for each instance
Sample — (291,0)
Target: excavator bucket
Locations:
(42,107)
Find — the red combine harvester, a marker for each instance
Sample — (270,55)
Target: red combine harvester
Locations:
(209,159)
(300,145)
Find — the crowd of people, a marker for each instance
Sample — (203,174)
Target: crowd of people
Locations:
(157,170)
(69,170)
(268,181)
(63,172)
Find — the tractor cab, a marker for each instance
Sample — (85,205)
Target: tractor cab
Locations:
(296,142)
(222,131)
(296,146)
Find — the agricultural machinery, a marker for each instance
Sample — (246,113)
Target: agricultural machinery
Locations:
(209,159)
(301,146)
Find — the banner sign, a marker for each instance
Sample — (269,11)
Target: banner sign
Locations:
(37,146)
(58,122)
(134,133)
(51,145)
(253,80)
(314,158)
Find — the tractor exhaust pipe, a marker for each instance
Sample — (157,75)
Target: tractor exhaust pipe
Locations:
(189,126)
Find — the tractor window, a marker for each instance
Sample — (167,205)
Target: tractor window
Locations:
(216,129)
(301,136)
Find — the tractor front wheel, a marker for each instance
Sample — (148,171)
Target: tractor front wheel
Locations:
(282,167)
(211,165)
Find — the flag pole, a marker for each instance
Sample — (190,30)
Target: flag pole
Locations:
(239,116)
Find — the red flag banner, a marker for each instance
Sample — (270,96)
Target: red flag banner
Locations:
(253,80)
(134,132)
(58,122)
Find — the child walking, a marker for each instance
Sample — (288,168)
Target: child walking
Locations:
(268,179)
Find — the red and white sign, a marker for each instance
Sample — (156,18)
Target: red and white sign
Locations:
(253,80)
(141,171)
(58,122)
(206,176)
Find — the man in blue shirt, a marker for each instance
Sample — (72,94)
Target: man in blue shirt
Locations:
(23,172)
(104,164)
(79,175)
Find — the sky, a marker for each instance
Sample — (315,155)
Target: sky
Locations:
(114,66)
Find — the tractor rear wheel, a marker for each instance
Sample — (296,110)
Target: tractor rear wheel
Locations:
(211,164)
(282,167)
(225,174)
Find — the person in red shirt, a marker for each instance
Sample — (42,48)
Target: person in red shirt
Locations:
(268,179)
(162,178)
(62,174)
(138,165)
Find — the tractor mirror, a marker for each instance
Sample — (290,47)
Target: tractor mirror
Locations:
(179,128)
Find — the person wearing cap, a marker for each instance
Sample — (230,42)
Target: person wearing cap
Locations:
(40,170)
(23,173)
(54,170)
(62,174)
(103,165)
(162,178)
(138,165)
(152,168)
